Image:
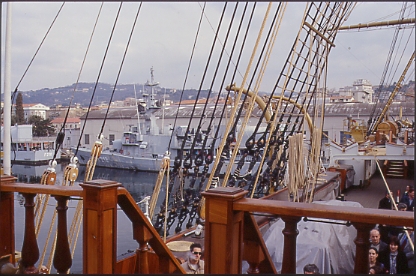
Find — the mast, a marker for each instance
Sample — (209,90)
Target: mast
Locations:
(379,24)
(137,110)
(7,109)
(152,84)
(393,94)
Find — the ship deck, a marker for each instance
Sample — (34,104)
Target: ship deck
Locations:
(368,196)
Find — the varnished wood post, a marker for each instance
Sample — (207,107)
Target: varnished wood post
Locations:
(362,242)
(290,232)
(7,236)
(62,259)
(30,249)
(254,255)
(100,226)
(142,236)
(223,231)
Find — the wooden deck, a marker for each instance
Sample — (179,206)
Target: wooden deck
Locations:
(370,195)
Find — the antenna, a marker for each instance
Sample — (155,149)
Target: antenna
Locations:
(137,110)
(152,84)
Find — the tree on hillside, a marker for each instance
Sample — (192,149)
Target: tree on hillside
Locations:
(20,114)
(41,127)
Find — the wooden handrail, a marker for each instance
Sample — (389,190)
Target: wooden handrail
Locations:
(223,225)
(353,214)
(41,189)
(142,228)
(167,261)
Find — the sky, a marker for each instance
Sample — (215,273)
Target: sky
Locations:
(163,39)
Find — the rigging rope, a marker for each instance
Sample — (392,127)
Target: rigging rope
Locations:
(98,77)
(228,127)
(79,74)
(380,93)
(37,50)
(187,72)
(188,159)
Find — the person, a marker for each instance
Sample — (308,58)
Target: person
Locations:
(193,263)
(406,193)
(385,202)
(310,269)
(402,206)
(376,242)
(376,270)
(407,248)
(394,259)
(409,200)
(373,261)
(397,230)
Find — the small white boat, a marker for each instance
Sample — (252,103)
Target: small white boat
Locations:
(26,149)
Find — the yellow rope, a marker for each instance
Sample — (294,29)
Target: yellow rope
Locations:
(166,206)
(252,100)
(394,203)
(163,168)
(70,175)
(237,100)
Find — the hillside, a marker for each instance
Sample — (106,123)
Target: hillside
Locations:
(63,95)
(82,96)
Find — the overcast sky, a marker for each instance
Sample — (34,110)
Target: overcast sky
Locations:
(163,39)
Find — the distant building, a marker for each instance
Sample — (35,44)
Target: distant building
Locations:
(71,123)
(33,110)
(360,92)
(72,130)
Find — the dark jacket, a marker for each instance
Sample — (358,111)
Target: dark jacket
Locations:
(401,262)
(384,203)
(406,200)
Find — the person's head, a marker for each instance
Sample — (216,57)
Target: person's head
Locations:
(394,244)
(402,206)
(408,188)
(375,236)
(310,269)
(411,193)
(372,254)
(387,194)
(196,252)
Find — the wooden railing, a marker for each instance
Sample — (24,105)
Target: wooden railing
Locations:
(226,243)
(232,233)
(100,198)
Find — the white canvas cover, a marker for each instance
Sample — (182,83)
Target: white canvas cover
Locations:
(330,246)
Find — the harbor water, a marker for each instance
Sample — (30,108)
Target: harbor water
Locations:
(139,184)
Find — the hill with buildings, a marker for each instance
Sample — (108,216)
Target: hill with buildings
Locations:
(82,96)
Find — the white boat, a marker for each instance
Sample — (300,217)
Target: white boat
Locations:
(26,149)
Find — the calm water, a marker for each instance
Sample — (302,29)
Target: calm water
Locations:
(139,184)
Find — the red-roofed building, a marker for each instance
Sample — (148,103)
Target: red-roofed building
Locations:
(71,123)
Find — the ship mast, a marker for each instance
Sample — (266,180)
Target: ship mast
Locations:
(7,95)
(379,24)
(152,84)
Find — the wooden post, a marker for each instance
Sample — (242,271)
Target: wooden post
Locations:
(30,249)
(142,236)
(7,240)
(62,259)
(290,233)
(100,226)
(362,242)
(223,231)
